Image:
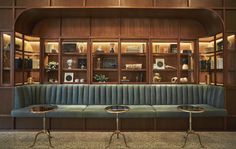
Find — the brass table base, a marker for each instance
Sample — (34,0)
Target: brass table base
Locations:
(46,132)
(117,133)
(194,133)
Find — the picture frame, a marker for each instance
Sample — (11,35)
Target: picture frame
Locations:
(160,62)
(68,77)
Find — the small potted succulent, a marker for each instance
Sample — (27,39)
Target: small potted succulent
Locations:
(100,78)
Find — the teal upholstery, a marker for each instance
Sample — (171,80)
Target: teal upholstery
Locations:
(146,100)
(172,111)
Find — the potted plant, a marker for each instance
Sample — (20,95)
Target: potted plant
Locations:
(100,78)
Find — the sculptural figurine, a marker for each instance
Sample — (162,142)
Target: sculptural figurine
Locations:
(69,63)
(156,78)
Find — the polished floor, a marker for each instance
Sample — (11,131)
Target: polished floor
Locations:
(136,140)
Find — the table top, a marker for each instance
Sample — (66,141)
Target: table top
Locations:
(117,109)
(43,108)
(191,108)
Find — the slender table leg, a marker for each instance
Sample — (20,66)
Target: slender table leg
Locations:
(117,132)
(190,131)
(44,131)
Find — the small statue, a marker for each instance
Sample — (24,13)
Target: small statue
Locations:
(69,63)
(112,48)
(156,78)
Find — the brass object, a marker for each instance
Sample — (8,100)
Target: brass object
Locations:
(117,110)
(191,109)
(43,109)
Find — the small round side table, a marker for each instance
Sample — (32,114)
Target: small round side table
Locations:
(117,110)
(191,109)
(43,109)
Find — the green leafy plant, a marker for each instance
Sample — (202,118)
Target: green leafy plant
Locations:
(51,66)
(100,78)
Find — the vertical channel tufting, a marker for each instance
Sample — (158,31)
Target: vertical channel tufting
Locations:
(97,95)
(119,94)
(153,95)
(53,95)
(147,95)
(85,95)
(200,94)
(58,94)
(79,94)
(185,94)
(158,95)
(114,94)
(163,94)
(47,94)
(179,95)
(190,94)
(42,94)
(91,95)
(125,97)
(142,100)
(174,95)
(69,94)
(26,95)
(63,95)
(108,95)
(103,94)
(136,95)
(130,95)
(168,94)
(74,98)
(195,94)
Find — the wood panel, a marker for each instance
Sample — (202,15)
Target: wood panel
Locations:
(191,29)
(171,3)
(206,3)
(230,3)
(6,17)
(67,2)
(135,27)
(6,2)
(67,124)
(30,123)
(220,13)
(6,122)
(18,11)
(102,3)
(137,3)
(30,3)
(231,100)
(47,28)
(6,95)
(100,124)
(75,27)
(130,124)
(164,28)
(231,123)
(172,124)
(230,20)
(208,123)
(105,27)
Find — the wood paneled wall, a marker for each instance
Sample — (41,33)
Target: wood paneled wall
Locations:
(119,27)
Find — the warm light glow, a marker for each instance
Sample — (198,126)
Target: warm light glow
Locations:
(219,40)
(55,43)
(32,42)
(231,37)
(104,43)
(6,36)
(18,39)
(164,43)
(134,43)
